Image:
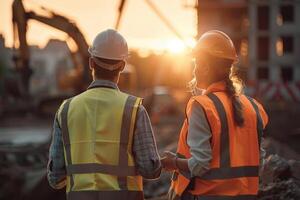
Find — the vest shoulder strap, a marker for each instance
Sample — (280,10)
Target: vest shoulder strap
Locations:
(66,136)
(259,121)
(224,140)
(127,129)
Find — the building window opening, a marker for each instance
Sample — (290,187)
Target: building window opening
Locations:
(287,73)
(262,73)
(286,14)
(287,44)
(263,17)
(263,48)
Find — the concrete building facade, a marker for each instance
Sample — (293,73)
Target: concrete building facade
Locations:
(267,36)
(274,50)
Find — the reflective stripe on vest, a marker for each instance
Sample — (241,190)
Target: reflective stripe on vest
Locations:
(122,171)
(221,197)
(259,123)
(210,197)
(124,139)
(66,138)
(224,141)
(105,195)
(172,195)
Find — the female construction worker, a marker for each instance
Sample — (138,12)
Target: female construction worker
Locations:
(218,153)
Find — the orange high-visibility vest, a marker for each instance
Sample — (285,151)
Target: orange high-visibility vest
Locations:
(234,167)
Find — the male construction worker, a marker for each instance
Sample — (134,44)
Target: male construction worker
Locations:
(103,142)
(218,154)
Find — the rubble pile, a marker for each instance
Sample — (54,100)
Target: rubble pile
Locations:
(23,173)
(279,179)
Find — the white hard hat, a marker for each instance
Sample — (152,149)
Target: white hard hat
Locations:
(111,45)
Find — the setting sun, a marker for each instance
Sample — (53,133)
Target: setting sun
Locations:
(178,46)
(175,46)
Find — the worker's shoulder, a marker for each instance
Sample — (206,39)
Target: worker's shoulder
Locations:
(131,96)
(200,101)
(64,103)
(258,103)
(137,101)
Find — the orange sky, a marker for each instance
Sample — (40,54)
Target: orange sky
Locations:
(141,27)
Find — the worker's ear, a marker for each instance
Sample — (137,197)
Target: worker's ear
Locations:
(122,66)
(91,63)
(206,68)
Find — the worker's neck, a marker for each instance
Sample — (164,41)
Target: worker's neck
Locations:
(111,80)
(203,83)
(206,82)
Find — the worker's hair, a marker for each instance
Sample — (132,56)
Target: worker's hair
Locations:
(232,91)
(102,73)
(234,87)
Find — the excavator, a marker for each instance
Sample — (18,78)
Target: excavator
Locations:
(78,79)
(22,53)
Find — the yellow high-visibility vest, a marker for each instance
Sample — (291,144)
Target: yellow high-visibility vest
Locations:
(97,129)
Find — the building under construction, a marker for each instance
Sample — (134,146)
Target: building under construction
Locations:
(266,32)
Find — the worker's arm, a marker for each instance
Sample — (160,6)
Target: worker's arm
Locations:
(199,142)
(145,152)
(56,171)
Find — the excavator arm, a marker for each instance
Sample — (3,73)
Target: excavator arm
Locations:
(65,25)
(21,57)
(20,18)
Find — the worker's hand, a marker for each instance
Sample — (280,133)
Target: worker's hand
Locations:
(168,161)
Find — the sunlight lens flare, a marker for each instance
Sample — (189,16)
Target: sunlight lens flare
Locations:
(175,46)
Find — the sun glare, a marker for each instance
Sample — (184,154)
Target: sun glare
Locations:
(175,46)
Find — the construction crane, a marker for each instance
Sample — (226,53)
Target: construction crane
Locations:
(159,14)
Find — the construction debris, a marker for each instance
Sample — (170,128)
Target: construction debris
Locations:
(279,181)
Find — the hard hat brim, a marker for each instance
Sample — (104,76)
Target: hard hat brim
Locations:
(110,67)
(196,52)
(94,54)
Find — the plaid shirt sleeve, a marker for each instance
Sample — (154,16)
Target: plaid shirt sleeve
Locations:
(56,171)
(145,152)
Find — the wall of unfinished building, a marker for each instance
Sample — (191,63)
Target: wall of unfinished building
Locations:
(273,37)
(267,36)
